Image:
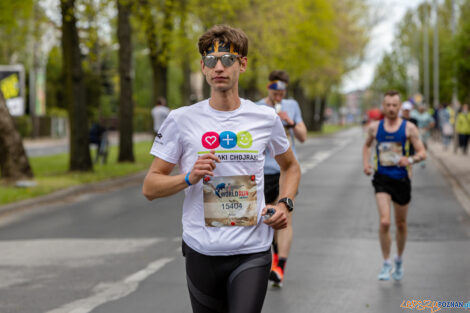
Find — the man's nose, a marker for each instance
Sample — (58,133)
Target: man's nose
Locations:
(218,66)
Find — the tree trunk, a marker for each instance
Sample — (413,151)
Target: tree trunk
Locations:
(74,92)
(126,106)
(321,116)
(186,66)
(159,74)
(158,50)
(14,164)
(306,106)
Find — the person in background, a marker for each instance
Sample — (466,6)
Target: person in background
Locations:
(446,117)
(391,178)
(462,128)
(159,114)
(289,112)
(406,109)
(98,136)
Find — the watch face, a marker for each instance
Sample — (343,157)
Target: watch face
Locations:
(289,203)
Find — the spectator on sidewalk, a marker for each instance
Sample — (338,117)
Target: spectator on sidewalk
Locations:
(98,136)
(446,118)
(159,114)
(425,123)
(462,128)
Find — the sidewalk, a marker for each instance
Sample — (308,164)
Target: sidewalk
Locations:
(457,168)
(48,146)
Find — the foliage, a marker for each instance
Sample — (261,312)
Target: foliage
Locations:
(316,41)
(391,74)
(396,69)
(462,48)
(15,19)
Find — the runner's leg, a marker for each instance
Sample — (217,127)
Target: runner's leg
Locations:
(401,212)
(247,291)
(383,204)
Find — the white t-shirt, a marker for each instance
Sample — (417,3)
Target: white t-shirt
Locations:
(159,114)
(240,138)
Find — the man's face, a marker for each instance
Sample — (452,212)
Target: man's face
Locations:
(391,106)
(405,114)
(421,109)
(276,96)
(223,78)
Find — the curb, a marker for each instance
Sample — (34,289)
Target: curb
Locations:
(463,196)
(68,193)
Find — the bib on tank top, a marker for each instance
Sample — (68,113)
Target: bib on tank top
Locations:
(390,148)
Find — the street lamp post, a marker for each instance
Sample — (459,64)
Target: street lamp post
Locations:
(436,53)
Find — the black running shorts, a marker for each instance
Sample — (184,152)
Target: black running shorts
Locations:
(271,187)
(398,189)
(234,283)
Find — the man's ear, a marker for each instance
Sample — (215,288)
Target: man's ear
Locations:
(243,64)
(202,65)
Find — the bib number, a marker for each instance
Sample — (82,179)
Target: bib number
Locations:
(230,201)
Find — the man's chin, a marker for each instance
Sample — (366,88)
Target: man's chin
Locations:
(221,87)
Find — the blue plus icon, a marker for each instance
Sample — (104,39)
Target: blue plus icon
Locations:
(228,140)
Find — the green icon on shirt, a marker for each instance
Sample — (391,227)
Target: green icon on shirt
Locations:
(245,140)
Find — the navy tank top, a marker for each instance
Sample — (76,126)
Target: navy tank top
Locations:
(390,148)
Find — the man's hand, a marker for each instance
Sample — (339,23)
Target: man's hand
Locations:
(283,115)
(279,219)
(403,162)
(203,166)
(368,169)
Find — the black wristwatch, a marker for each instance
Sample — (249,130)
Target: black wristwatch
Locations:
(288,202)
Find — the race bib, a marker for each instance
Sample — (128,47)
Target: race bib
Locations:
(230,201)
(390,153)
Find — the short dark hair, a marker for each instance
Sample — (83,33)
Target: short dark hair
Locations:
(160,101)
(392,93)
(226,34)
(279,75)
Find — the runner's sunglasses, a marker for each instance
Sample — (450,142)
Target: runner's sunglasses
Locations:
(227,60)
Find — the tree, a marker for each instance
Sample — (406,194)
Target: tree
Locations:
(126,106)
(14,30)
(391,74)
(462,48)
(158,32)
(14,164)
(74,90)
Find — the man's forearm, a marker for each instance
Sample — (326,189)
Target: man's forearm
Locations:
(365,156)
(300,132)
(289,181)
(161,185)
(419,156)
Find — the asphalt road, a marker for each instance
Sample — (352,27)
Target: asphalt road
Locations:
(115,252)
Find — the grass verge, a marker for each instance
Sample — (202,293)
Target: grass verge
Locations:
(51,173)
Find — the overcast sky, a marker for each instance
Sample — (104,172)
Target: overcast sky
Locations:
(381,39)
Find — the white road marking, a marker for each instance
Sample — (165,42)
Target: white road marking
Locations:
(106,292)
(321,156)
(68,252)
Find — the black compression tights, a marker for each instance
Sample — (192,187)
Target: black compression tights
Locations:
(227,284)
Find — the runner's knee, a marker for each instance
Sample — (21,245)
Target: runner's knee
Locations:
(384,224)
(401,225)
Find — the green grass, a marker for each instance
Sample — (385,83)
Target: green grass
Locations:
(328,129)
(51,173)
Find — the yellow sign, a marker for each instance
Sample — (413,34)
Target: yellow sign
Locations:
(10,86)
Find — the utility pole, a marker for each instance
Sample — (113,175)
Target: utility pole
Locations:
(454,70)
(426,53)
(436,53)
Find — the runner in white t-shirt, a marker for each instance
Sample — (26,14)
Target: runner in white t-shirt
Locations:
(219,145)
